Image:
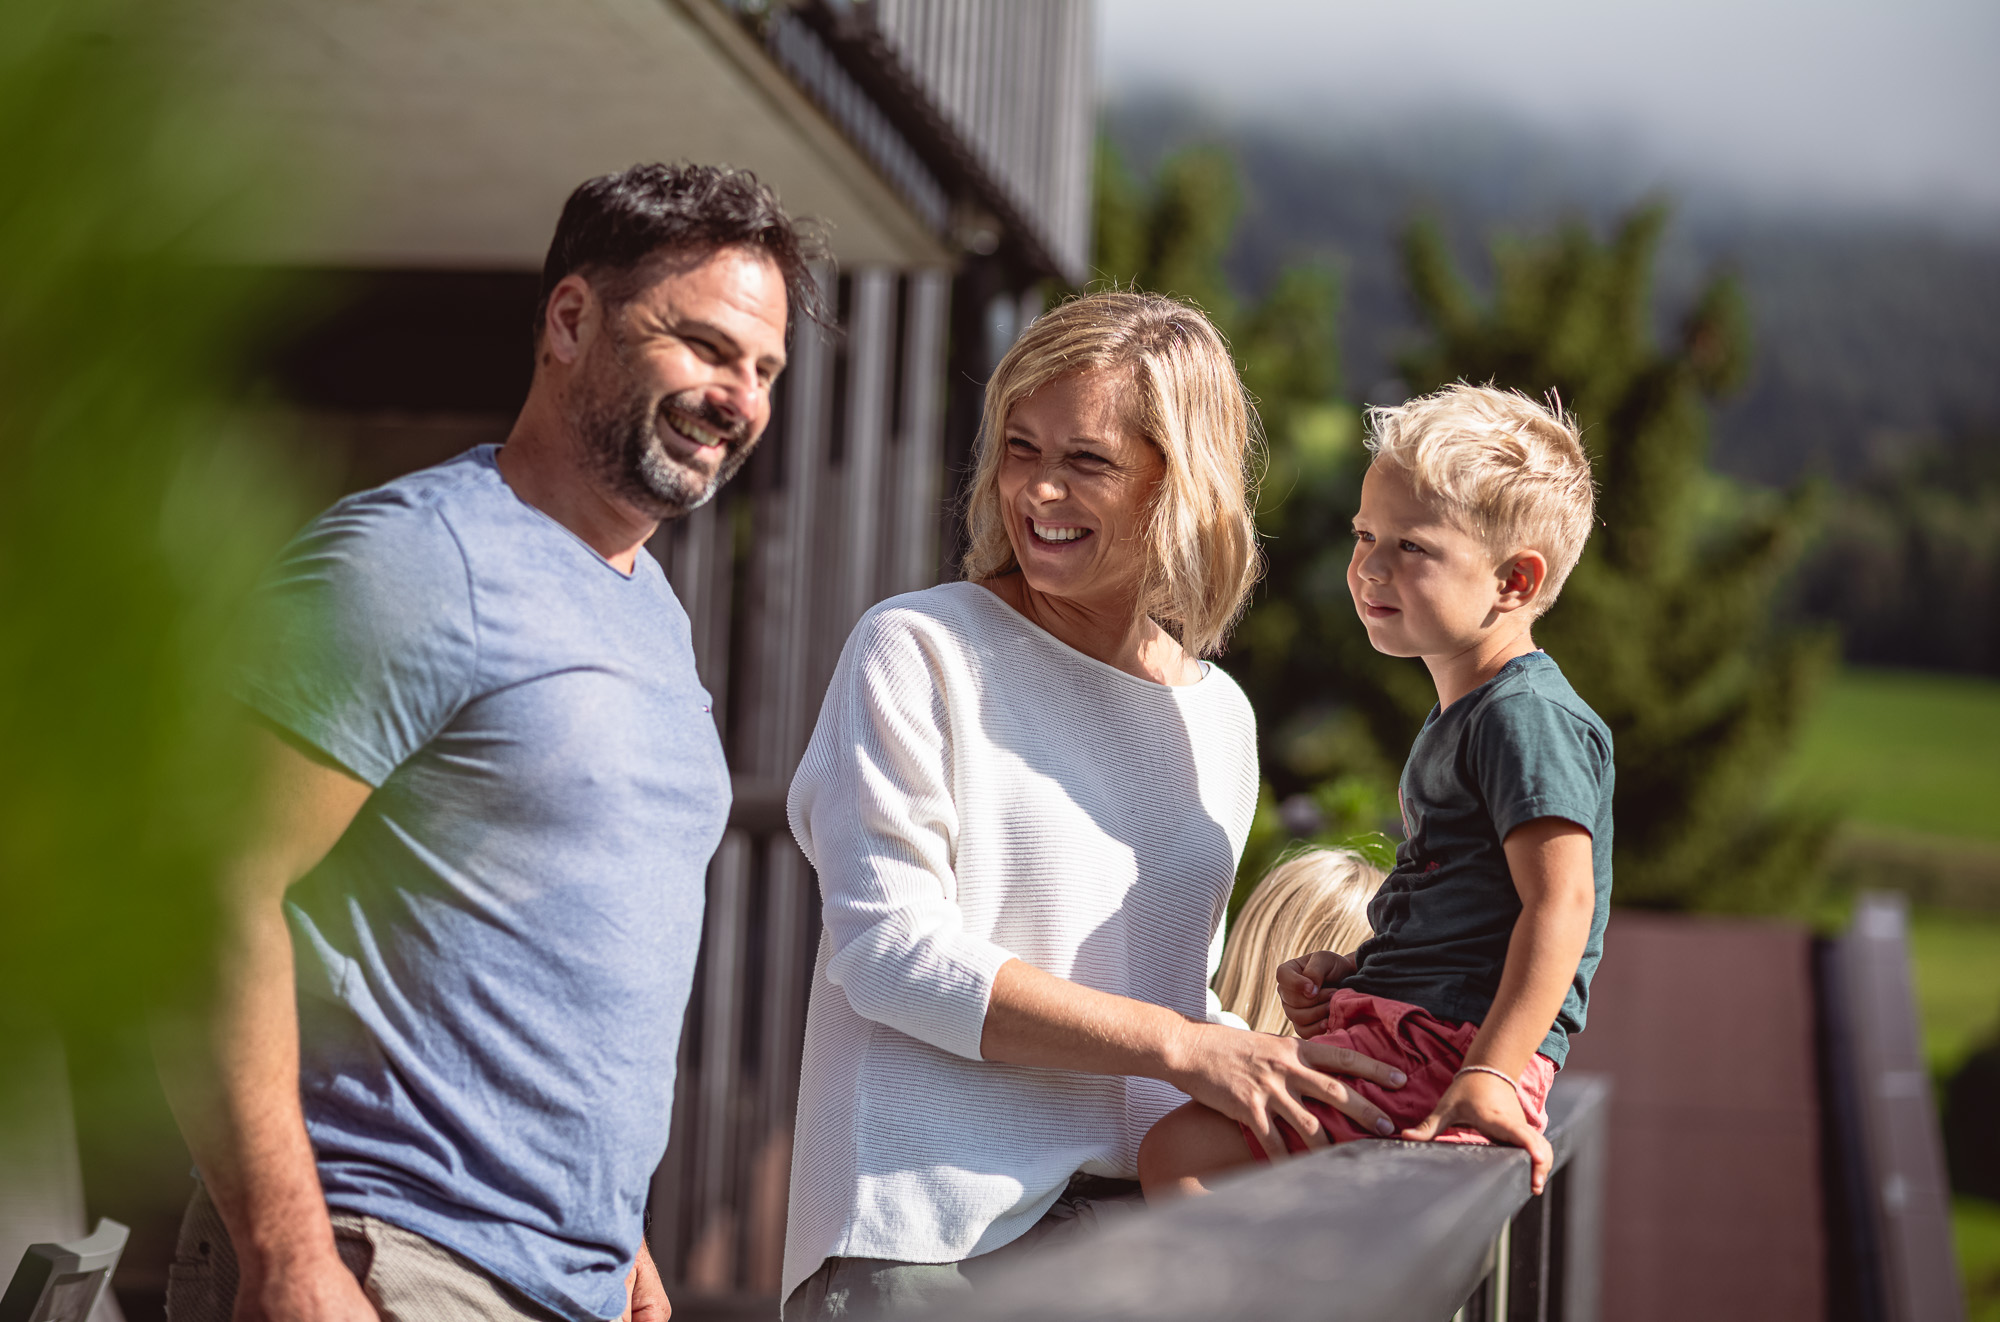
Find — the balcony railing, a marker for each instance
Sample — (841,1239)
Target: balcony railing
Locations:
(1363,1232)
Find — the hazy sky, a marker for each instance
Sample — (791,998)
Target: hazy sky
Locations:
(1801,102)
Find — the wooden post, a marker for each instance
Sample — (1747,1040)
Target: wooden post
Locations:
(1905,1195)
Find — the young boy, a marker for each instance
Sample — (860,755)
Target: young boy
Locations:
(1474,510)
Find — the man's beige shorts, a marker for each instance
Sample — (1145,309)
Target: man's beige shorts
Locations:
(407,1277)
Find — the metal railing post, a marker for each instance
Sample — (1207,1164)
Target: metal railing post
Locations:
(1576,1216)
(1528,1260)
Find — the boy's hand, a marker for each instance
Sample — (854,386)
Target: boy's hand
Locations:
(1489,1104)
(1306,984)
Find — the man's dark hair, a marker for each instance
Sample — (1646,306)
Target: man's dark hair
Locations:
(613,225)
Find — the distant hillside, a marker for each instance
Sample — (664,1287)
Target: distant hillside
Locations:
(1868,333)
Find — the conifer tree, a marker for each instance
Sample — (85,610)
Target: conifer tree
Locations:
(1172,238)
(1666,626)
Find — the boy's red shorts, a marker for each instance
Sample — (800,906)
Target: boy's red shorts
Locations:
(1428,1050)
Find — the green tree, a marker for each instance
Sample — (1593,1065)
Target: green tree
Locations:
(1172,235)
(1666,627)
(1298,648)
(1909,568)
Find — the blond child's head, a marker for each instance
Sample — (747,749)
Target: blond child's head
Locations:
(1510,472)
(1316,900)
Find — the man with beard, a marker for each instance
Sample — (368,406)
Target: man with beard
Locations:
(440,1066)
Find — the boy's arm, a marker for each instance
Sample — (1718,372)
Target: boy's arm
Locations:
(1551,862)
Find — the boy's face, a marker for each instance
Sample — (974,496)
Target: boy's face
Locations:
(1423,584)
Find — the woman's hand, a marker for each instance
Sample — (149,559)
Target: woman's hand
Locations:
(1035,1018)
(1306,984)
(1259,1079)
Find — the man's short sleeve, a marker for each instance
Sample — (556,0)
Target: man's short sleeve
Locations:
(1533,758)
(362,638)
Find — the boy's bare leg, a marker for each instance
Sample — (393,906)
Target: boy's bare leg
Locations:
(1188,1144)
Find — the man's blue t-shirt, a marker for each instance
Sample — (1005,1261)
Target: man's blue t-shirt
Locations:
(1522,745)
(494,960)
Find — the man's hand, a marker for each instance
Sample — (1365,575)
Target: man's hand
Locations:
(317,1290)
(1489,1104)
(645,1296)
(1306,984)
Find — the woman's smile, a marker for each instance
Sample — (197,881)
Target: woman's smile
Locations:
(1057,534)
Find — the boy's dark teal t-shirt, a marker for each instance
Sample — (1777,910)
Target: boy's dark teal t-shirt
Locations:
(1522,745)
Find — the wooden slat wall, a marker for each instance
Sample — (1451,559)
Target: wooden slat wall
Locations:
(837,510)
(1014,78)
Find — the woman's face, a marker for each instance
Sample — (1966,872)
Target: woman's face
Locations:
(1076,481)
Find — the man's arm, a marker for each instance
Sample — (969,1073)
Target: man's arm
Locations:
(645,1296)
(234,1081)
(1551,862)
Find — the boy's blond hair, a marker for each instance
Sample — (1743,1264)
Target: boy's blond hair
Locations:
(1184,397)
(1514,472)
(1316,900)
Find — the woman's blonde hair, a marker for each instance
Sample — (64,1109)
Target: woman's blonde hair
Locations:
(1317,900)
(1188,401)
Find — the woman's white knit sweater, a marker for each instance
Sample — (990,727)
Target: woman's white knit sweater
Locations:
(977,791)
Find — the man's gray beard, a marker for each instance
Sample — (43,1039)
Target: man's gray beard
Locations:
(625,445)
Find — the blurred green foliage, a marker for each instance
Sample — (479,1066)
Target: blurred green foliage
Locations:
(1955,962)
(1938,732)
(1909,567)
(135,511)
(1955,965)
(1975,1228)
(1666,627)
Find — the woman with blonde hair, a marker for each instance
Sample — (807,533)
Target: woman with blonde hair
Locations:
(1025,801)
(1315,900)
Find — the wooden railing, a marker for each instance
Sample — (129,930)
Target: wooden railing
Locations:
(1364,1232)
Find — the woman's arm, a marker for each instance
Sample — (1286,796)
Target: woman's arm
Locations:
(1035,1018)
(1551,862)
(873,808)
